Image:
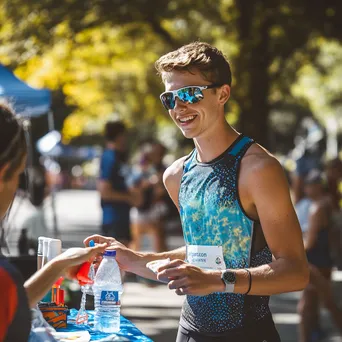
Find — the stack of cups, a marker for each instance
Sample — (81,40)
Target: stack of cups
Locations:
(54,248)
(47,250)
(40,252)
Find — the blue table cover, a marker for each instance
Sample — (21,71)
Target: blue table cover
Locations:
(128,331)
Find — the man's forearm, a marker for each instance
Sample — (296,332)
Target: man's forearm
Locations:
(140,268)
(280,276)
(41,282)
(277,277)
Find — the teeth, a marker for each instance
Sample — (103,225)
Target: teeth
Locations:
(188,118)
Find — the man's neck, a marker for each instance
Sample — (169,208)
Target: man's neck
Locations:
(213,145)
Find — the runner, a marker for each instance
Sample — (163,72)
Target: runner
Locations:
(235,209)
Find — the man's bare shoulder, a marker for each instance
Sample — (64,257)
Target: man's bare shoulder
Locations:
(173,173)
(172,178)
(258,162)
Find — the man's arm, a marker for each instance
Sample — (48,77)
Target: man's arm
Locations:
(139,267)
(132,261)
(135,262)
(264,181)
(269,192)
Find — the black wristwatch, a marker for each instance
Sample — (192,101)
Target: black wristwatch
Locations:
(229,280)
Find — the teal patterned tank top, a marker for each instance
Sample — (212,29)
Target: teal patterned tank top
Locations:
(212,215)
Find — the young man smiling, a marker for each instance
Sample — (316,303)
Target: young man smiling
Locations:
(235,209)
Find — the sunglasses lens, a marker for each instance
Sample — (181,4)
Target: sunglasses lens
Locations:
(190,94)
(168,100)
(186,95)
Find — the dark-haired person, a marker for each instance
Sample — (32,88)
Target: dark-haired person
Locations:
(148,217)
(16,297)
(116,197)
(235,209)
(317,242)
(333,171)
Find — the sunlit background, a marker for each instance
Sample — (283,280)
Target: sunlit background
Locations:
(97,59)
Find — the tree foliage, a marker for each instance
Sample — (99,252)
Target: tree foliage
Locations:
(100,54)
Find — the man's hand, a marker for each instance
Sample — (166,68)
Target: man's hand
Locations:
(125,257)
(187,279)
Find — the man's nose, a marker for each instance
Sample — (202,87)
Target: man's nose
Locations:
(179,105)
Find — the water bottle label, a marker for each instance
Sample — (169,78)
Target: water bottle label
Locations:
(109,297)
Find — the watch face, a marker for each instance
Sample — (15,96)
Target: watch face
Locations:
(229,277)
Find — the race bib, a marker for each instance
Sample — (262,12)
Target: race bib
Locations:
(206,257)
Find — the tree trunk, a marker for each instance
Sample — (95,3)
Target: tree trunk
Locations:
(252,81)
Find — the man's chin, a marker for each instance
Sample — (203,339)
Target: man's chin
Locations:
(189,135)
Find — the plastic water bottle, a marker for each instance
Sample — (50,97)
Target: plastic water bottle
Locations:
(107,290)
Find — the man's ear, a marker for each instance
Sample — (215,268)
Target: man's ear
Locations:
(224,94)
(3,171)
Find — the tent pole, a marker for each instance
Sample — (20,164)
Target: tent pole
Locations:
(51,126)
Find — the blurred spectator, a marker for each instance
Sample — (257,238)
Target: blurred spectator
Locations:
(157,157)
(302,209)
(308,152)
(333,170)
(116,197)
(318,248)
(35,224)
(148,217)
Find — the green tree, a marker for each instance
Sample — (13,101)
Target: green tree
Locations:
(101,52)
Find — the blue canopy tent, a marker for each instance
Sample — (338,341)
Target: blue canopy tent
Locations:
(29,103)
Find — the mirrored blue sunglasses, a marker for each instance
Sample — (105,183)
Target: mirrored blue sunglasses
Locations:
(189,94)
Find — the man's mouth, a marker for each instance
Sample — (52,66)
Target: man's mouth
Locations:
(187,119)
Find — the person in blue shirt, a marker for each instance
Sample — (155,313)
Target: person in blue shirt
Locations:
(116,196)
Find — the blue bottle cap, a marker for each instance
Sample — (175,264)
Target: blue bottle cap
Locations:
(91,243)
(110,253)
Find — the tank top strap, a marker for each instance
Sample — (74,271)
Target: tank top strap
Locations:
(188,161)
(240,147)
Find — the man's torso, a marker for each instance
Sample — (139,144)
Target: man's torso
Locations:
(212,215)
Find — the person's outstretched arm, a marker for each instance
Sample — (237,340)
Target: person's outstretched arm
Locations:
(132,261)
(135,262)
(66,263)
